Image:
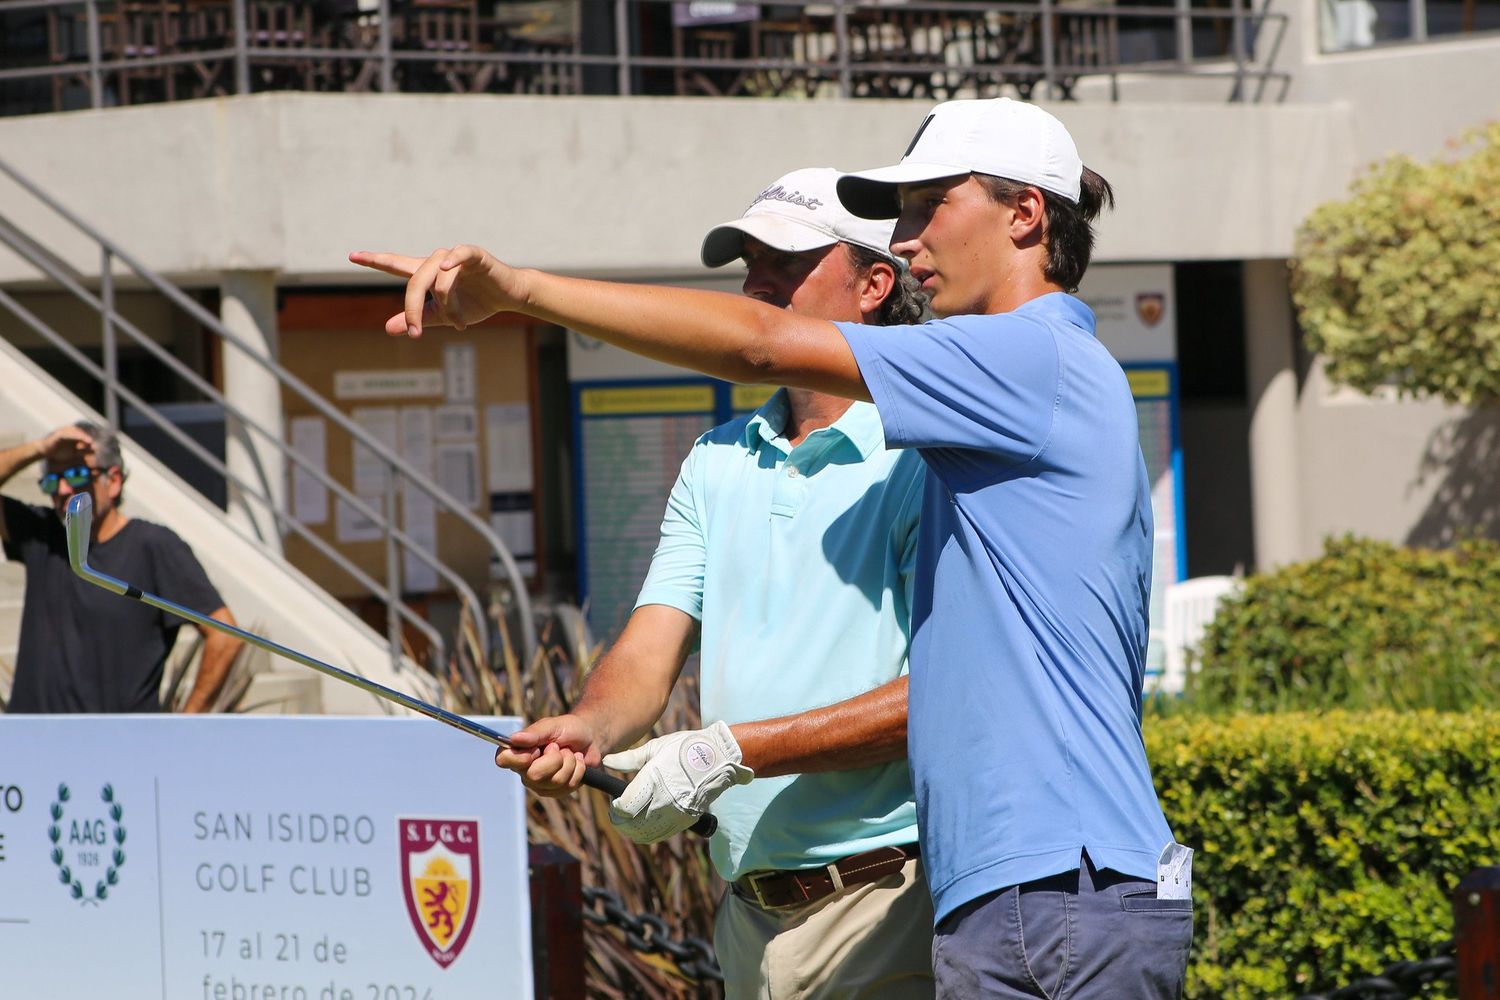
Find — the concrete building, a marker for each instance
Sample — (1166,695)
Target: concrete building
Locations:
(251,204)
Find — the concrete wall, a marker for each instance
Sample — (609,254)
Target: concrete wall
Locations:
(1399,97)
(291,182)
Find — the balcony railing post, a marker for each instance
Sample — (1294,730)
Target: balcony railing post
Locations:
(1184,33)
(392,571)
(1237,39)
(1049,49)
(111,348)
(1418,10)
(622,47)
(841,39)
(387,66)
(241,53)
(96,76)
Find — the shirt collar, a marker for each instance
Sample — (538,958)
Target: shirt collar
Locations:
(860,425)
(1073,309)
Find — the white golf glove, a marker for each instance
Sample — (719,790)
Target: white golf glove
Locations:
(680,776)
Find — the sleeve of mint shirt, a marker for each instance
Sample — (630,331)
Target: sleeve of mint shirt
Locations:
(989,383)
(676,574)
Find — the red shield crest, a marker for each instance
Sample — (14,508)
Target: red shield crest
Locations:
(440,880)
(1149,306)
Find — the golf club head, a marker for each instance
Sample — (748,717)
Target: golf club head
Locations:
(78,522)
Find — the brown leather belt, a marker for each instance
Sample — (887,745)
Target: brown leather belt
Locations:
(773,889)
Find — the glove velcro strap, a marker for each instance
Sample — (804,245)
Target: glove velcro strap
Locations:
(775,889)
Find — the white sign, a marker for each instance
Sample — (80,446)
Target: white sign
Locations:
(397,383)
(309,496)
(220,857)
(458,370)
(1136,309)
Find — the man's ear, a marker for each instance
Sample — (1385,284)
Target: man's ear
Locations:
(115,477)
(878,283)
(1028,220)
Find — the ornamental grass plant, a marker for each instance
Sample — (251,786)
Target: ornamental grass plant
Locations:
(673,879)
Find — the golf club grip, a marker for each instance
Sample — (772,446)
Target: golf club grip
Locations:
(613,787)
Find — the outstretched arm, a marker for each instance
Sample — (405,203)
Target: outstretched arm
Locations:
(728,336)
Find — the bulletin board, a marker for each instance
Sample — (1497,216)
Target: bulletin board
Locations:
(1154,387)
(457,405)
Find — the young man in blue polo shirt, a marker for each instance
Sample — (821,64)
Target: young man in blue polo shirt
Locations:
(1052,868)
(803,661)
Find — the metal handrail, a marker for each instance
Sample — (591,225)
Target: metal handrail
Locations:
(56,269)
(1243,19)
(83,361)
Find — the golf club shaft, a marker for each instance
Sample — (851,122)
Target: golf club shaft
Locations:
(79,517)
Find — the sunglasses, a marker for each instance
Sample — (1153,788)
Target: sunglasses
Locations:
(77,478)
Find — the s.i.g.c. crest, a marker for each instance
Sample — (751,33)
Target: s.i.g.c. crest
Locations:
(440,880)
(1150,306)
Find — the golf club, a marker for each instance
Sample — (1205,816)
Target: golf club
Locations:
(79,524)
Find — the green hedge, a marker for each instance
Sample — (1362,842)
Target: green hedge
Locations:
(1366,625)
(1327,844)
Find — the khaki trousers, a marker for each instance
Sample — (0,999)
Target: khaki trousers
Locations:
(872,940)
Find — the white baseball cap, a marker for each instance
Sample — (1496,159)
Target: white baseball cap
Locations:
(801,211)
(998,136)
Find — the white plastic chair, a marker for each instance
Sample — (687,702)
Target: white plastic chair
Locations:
(1189,607)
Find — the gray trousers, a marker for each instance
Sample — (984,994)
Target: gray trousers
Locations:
(1082,935)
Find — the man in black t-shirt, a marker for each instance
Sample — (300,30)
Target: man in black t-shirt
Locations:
(82,648)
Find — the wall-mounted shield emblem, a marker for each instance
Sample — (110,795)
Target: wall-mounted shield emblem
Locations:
(1149,306)
(440,880)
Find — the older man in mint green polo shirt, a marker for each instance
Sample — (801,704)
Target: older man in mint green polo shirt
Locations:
(787,546)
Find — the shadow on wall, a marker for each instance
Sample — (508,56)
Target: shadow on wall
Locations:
(1465,454)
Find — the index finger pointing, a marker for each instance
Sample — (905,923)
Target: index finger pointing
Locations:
(391,263)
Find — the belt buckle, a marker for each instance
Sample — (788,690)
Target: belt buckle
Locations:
(752,882)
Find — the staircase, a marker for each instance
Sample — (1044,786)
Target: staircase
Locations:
(257,584)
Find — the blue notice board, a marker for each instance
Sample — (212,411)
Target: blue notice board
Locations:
(630,438)
(1154,386)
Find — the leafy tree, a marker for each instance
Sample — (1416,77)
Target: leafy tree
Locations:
(1400,283)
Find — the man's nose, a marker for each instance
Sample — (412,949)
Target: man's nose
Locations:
(757,287)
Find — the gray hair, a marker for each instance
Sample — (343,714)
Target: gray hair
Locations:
(907,303)
(106,445)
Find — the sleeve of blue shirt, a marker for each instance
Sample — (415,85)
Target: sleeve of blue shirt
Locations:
(988,383)
(911,512)
(676,574)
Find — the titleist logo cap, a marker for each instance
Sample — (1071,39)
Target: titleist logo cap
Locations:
(999,136)
(801,211)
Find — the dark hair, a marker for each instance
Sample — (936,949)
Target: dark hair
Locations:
(1069,232)
(906,303)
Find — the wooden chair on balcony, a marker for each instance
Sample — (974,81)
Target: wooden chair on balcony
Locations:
(548,28)
(714,33)
(139,30)
(449,28)
(1086,42)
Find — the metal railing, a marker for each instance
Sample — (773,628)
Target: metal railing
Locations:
(400,476)
(830,53)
